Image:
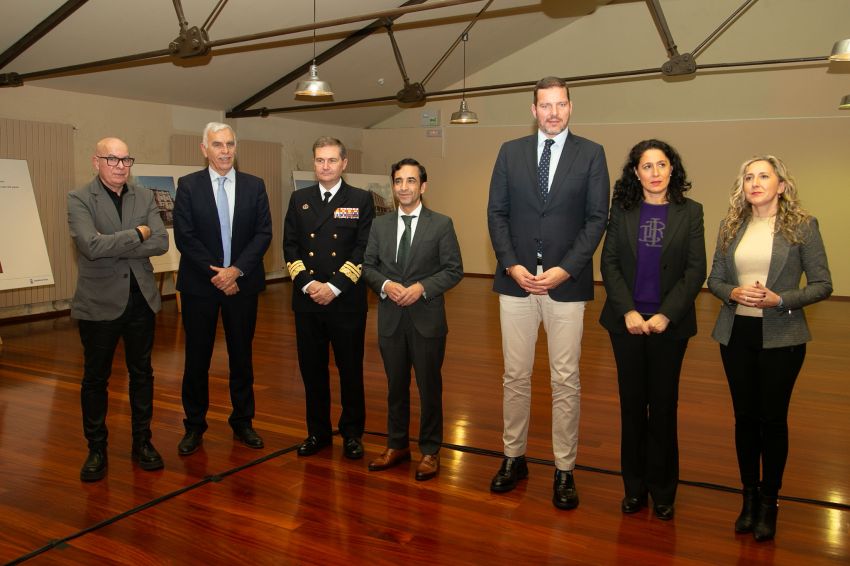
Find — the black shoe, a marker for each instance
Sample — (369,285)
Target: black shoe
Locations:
(664,512)
(312,445)
(512,470)
(747,519)
(765,525)
(353,448)
(191,442)
(633,504)
(146,455)
(565,494)
(249,437)
(94,468)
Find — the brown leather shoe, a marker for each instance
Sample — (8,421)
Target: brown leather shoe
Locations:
(389,458)
(428,467)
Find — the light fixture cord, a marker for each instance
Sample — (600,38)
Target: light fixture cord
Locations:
(465,39)
(314,32)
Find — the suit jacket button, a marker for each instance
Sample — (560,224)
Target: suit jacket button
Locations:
(312,235)
(311,254)
(334,236)
(333,272)
(333,254)
(311,272)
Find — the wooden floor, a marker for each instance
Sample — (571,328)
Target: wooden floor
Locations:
(228,504)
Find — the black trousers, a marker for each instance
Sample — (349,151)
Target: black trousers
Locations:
(100,338)
(761,381)
(200,319)
(648,368)
(407,348)
(345,333)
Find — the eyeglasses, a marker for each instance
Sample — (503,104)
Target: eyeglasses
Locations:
(112,161)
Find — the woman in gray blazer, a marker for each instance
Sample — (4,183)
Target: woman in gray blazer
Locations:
(765,244)
(653,266)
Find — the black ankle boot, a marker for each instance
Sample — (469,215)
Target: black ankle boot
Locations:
(747,519)
(765,527)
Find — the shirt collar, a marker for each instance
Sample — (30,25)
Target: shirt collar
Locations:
(333,190)
(560,139)
(230,175)
(417,212)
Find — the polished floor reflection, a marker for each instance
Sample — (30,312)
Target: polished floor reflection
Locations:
(228,504)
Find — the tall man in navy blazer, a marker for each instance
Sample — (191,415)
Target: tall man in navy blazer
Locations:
(116,228)
(547,211)
(324,236)
(222,227)
(412,259)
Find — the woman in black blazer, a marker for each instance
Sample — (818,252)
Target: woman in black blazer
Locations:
(653,266)
(765,244)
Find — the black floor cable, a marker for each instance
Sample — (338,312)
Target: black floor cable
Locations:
(59,543)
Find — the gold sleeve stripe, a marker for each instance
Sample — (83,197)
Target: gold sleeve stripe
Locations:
(351,271)
(295,268)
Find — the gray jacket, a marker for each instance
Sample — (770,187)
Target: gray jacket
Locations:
(780,327)
(109,248)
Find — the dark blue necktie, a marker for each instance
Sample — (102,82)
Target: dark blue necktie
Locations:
(543,169)
(543,182)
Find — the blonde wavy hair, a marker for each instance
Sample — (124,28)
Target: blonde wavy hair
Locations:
(792,222)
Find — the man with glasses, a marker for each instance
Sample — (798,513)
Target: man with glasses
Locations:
(222,227)
(324,237)
(116,228)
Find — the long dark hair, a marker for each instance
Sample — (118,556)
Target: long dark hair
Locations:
(628,191)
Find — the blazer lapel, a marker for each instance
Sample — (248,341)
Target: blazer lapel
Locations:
(675,221)
(630,221)
(730,253)
(104,205)
(421,230)
(568,156)
(778,257)
(529,156)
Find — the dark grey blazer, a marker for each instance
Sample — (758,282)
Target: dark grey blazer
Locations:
(787,264)
(109,248)
(434,261)
(683,267)
(570,223)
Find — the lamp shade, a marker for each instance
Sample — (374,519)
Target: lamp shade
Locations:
(464,115)
(840,51)
(314,86)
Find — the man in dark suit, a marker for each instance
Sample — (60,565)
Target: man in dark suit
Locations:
(547,212)
(116,228)
(222,227)
(324,236)
(411,260)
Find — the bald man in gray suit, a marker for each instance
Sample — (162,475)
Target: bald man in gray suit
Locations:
(116,228)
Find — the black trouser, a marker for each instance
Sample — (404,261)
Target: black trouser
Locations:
(648,368)
(99,338)
(345,332)
(761,381)
(407,348)
(200,320)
